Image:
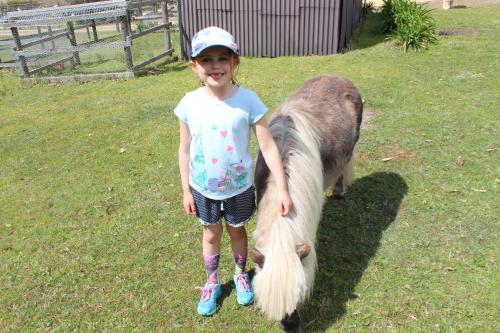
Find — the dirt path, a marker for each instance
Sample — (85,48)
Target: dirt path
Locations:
(456,3)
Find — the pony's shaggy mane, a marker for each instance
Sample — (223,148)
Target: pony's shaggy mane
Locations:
(285,280)
(316,130)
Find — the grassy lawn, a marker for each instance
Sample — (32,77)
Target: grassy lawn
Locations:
(93,236)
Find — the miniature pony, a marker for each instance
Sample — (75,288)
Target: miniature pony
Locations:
(315,130)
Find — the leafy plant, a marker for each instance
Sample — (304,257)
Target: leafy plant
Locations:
(367,8)
(387,14)
(410,24)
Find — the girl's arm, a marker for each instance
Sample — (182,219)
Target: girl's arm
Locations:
(185,141)
(272,157)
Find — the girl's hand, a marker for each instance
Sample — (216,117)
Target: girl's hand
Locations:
(188,202)
(285,204)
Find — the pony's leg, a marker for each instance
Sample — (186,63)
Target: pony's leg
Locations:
(338,190)
(291,322)
(344,180)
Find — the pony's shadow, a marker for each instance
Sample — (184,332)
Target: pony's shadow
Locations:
(348,237)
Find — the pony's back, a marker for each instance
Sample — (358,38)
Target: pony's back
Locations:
(337,114)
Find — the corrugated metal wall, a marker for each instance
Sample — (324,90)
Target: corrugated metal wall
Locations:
(271,28)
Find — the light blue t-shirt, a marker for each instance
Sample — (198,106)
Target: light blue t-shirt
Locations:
(220,165)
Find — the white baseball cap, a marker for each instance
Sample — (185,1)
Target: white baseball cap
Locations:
(212,36)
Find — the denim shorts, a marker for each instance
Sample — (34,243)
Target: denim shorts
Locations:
(237,210)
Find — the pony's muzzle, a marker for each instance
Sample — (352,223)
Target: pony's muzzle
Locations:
(303,250)
(258,258)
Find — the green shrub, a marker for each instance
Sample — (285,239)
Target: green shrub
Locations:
(368,8)
(409,24)
(387,14)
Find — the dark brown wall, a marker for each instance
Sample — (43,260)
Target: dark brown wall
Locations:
(271,28)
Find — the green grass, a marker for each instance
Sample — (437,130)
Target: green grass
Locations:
(93,237)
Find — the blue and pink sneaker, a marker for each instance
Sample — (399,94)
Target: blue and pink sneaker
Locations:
(244,293)
(208,301)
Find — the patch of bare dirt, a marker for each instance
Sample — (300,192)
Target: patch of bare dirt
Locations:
(459,32)
(457,4)
(397,154)
(368,115)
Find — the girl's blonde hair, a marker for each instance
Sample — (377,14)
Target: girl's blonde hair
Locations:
(235,65)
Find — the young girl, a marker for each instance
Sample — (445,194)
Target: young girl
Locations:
(214,163)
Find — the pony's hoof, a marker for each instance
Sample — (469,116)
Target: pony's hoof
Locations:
(337,197)
(290,323)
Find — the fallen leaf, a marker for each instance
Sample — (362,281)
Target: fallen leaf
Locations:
(386,159)
(455,191)
(460,161)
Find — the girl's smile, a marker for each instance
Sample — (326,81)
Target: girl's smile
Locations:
(215,67)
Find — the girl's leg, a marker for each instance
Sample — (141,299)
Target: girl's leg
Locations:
(211,249)
(212,235)
(239,244)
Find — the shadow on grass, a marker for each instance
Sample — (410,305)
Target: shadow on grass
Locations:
(369,33)
(166,66)
(348,237)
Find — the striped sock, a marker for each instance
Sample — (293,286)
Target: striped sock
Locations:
(212,268)
(240,261)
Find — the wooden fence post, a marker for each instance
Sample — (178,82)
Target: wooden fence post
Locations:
(23,66)
(139,8)
(164,13)
(126,37)
(39,30)
(72,41)
(52,42)
(94,30)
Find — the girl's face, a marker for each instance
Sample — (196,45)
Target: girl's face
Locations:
(215,67)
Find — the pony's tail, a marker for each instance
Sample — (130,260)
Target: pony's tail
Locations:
(282,282)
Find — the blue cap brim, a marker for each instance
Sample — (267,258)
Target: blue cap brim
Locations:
(195,54)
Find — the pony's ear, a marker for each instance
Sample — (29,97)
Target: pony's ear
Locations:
(303,250)
(257,257)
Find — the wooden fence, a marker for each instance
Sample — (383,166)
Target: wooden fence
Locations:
(34,59)
(271,28)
